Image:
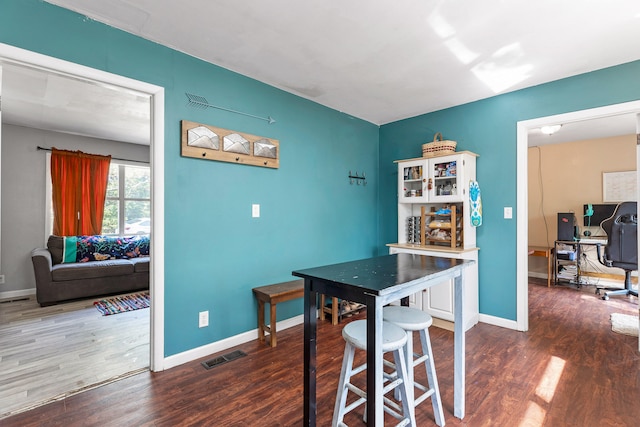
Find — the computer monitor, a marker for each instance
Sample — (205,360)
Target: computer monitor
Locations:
(595,214)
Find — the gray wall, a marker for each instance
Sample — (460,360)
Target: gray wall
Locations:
(23,195)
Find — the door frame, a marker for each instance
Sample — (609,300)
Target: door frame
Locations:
(522,217)
(156,95)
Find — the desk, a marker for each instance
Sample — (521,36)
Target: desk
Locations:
(578,249)
(545,252)
(377,282)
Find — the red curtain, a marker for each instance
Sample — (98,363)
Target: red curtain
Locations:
(79,187)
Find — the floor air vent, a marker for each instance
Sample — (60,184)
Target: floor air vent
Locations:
(217,361)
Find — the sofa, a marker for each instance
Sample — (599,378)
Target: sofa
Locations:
(75,267)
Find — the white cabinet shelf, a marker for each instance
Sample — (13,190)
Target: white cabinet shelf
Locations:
(434,220)
(418,182)
(436,179)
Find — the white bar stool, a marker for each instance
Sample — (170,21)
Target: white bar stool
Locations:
(393,340)
(412,319)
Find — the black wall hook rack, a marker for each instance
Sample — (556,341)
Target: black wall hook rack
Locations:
(357,178)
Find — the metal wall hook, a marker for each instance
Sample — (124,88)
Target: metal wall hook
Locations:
(359,179)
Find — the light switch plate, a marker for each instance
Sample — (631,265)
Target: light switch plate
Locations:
(203,319)
(255,211)
(508,212)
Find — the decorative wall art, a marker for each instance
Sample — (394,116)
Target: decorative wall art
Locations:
(201,102)
(212,143)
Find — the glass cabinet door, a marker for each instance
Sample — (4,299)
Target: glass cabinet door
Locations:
(413,180)
(447,178)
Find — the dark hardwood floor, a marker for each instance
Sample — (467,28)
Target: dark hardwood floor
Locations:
(569,369)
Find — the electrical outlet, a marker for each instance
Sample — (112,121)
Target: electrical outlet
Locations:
(1,279)
(203,319)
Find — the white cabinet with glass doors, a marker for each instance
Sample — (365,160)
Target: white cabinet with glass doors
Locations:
(434,220)
(437,179)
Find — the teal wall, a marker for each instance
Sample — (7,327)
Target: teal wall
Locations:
(214,251)
(488,127)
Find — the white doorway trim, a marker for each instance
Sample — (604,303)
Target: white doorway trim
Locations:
(156,94)
(523,127)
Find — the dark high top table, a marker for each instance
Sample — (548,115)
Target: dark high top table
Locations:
(377,282)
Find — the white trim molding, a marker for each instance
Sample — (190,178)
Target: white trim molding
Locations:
(12,54)
(218,346)
(522,234)
(21,293)
(498,321)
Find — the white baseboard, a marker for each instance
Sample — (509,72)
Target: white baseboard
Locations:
(17,294)
(218,346)
(499,321)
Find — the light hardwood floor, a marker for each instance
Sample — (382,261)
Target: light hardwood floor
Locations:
(49,353)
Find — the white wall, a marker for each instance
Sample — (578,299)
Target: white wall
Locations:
(23,195)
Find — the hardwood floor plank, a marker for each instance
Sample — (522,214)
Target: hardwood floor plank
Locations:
(569,369)
(47,352)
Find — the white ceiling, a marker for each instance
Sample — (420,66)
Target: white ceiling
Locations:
(604,127)
(383,61)
(42,99)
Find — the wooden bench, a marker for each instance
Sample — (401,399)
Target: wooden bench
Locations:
(273,294)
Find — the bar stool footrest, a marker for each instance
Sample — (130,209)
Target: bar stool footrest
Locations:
(418,400)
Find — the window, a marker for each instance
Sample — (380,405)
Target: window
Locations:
(127,209)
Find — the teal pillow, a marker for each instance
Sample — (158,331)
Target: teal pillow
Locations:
(69,249)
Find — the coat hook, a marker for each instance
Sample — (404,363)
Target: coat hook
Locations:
(357,177)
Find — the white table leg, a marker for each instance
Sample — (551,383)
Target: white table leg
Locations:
(459,349)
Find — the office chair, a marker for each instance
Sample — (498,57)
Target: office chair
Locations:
(622,246)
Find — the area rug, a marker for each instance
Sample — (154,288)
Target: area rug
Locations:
(624,324)
(123,303)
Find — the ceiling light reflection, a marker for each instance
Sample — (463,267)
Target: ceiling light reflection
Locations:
(441,27)
(499,79)
(445,31)
(502,71)
(461,52)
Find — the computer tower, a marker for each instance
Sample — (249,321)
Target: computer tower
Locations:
(566,226)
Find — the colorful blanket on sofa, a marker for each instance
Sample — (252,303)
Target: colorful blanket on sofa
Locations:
(100,248)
